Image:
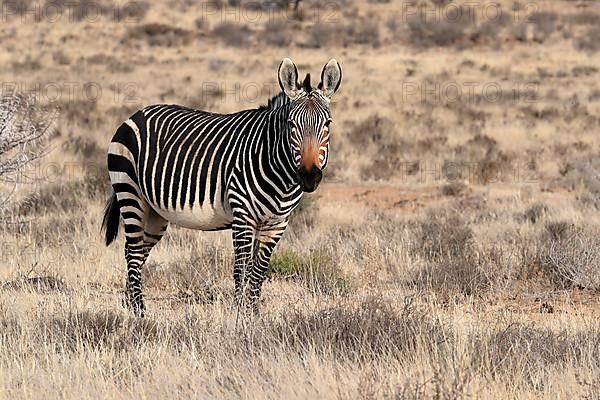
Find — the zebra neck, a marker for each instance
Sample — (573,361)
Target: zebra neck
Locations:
(279,149)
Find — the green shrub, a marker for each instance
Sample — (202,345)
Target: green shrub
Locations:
(318,271)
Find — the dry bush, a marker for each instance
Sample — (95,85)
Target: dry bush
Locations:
(583,177)
(365,32)
(79,330)
(278,33)
(583,18)
(111,63)
(451,31)
(521,352)
(454,189)
(86,148)
(24,129)
(455,265)
(156,34)
(330,34)
(84,112)
(469,274)
(233,34)
(534,213)
(489,163)
(442,234)
(545,24)
(42,284)
(319,271)
(570,256)
(63,196)
(378,133)
(589,41)
(203,277)
(61,58)
(370,329)
(325,35)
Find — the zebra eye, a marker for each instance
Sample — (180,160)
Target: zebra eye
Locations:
(327,123)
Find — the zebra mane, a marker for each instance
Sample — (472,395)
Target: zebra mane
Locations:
(276,101)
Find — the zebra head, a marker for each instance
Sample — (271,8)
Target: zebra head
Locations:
(309,119)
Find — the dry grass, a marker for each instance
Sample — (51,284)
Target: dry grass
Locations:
(394,281)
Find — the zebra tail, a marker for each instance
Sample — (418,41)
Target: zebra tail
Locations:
(110,222)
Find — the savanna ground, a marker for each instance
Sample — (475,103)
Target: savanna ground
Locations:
(453,252)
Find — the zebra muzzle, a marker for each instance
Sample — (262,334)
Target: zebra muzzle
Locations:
(309,179)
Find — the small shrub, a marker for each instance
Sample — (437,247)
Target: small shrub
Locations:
(442,235)
(84,147)
(63,196)
(521,350)
(156,34)
(328,34)
(544,25)
(452,31)
(535,213)
(369,330)
(365,32)
(35,283)
(81,329)
(325,35)
(318,271)
(233,34)
(454,189)
(588,41)
(278,33)
(80,111)
(454,265)
(583,18)
(570,256)
(61,58)
(582,176)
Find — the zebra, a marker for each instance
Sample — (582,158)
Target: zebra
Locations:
(245,171)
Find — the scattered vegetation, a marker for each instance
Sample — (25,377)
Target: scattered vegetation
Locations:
(318,271)
(156,34)
(570,255)
(233,34)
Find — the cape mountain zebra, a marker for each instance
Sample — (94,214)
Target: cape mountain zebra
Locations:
(245,171)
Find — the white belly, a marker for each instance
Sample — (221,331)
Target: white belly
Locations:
(202,218)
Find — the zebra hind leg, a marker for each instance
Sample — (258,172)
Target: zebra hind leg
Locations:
(156,227)
(137,252)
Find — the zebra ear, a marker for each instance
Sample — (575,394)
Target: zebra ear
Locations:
(288,78)
(331,77)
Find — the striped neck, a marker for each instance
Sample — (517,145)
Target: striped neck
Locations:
(280,148)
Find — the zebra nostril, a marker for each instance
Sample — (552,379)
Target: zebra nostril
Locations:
(309,179)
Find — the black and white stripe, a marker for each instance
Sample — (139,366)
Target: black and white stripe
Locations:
(245,171)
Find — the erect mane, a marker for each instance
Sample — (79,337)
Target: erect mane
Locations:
(276,101)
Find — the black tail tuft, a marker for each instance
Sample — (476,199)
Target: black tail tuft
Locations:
(110,223)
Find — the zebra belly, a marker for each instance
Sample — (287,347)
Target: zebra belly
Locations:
(204,218)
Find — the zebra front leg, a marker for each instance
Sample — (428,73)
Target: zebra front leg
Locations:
(266,240)
(243,241)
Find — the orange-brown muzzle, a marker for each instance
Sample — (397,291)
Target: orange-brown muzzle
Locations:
(309,173)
